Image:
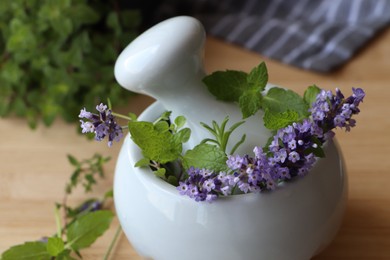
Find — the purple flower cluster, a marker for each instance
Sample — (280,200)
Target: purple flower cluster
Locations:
(201,185)
(102,124)
(330,111)
(288,155)
(292,152)
(286,158)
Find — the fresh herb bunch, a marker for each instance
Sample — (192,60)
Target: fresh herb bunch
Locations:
(300,127)
(79,226)
(59,54)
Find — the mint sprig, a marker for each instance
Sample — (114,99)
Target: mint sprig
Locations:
(241,87)
(161,143)
(226,85)
(27,251)
(155,141)
(81,234)
(281,106)
(79,226)
(86,229)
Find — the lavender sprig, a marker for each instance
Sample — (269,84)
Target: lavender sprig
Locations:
(292,152)
(102,124)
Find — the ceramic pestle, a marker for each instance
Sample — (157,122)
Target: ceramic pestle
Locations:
(166,63)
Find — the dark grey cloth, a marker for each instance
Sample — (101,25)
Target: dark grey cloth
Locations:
(318,35)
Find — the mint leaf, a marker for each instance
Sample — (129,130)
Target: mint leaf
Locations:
(86,229)
(238,86)
(73,161)
(180,121)
(310,94)
(55,246)
(226,85)
(275,120)
(206,156)
(250,102)
(258,77)
(27,251)
(65,255)
(281,100)
(143,162)
(251,99)
(160,172)
(161,126)
(182,136)
(155,144)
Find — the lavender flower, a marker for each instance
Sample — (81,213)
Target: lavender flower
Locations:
(90,205)
(102,124)
(205,185)
(339,109)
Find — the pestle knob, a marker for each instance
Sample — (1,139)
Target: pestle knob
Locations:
(165,62)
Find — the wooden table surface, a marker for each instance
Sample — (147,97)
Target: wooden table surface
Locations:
(34,167)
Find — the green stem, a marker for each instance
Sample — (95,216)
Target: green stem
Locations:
(58,222)
(113,242)
(122,116)
(238,144)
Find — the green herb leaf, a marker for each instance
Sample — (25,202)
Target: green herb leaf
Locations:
(65,255)
(281,100)
(27,251)
(86,229)
(258,77)
(275,120)
(226,85)
(182,136)
(206,156)
(73,161)
(250,102)
(160,172)
(238,86)
(310,94)
(55,246)
(109,194)
(155,145)
(143,162)
(180,121)
(161,126)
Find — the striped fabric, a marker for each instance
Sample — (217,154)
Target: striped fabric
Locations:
(318,35)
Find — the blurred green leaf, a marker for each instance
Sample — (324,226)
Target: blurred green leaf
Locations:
(11,73)
(22,36)
(85,230)
(27,251)
(55,246)
(59,56)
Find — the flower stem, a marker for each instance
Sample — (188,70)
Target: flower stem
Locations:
(122,116)
(113,242)
(58,222)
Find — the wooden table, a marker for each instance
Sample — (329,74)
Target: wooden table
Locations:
(34,168)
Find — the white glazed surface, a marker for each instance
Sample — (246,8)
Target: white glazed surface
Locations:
(294,222)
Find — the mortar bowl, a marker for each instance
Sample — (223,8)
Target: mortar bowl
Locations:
(296,221)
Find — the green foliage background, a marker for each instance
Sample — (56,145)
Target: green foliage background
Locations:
(58,56)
